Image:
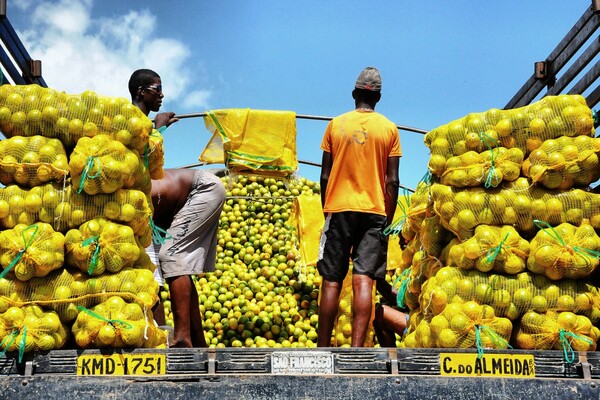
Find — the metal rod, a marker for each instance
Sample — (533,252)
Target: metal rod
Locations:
(314,164)
(406,188)
(201,164)
(304,116)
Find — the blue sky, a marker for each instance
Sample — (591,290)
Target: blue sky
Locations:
(439,60)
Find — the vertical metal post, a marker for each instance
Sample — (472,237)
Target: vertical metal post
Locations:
(2,8)
(35,68)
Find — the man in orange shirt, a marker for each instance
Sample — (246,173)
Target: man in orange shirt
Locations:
(359,190)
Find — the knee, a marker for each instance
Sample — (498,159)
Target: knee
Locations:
(219,191)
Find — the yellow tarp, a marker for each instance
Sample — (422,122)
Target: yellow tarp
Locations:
(308,220)
(252,141)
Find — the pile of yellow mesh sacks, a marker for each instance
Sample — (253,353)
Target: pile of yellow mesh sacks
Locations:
(75,218)
(502,232)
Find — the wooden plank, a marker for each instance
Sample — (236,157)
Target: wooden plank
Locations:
(575,69)
(573,40)
(587,80)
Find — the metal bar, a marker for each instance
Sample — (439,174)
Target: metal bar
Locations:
(587,79)
(10,68)
(314,164)
(573,40)
(575,69)
(304,116)
(18,52)
(406,188)
(593,98)
(201,164)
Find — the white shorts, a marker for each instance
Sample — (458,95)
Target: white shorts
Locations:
(152,252)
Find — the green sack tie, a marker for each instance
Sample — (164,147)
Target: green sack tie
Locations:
(395,228)
(219,127)
(496,339)
(400,295)
(22,344)
(493,252)
(549,230)
(91,160)
(8,341)
(94,261)
(427,179)
(11,339)
(22,251)
(583,250)
(488,141)
(159,235)
(491,144)
(115,323)
(555,235)
(566,344)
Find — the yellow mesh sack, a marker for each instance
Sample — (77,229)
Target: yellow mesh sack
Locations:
(556,331)
(117,324)
(156,155)
(101,165)
(64,209)
(465,325)
(31,251)
(423,267)
(515,203)
(254,141)
(488,168)
(29,110)
(510,296)
(64,290)
(565,251)
(29,328)
(100,245)
(524,128)
(564,163)
(434,237)
(308,220)
(394,230)
(32,161)
(418,209)
(501,249)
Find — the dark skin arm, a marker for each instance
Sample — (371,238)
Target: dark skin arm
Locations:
(326,163)
(386,290)
(164,119)
(391,187)
(170,194)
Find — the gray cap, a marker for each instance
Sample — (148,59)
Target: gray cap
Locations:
(369,79)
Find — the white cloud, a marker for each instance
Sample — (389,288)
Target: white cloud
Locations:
(21,4)
(80,52)
(67,16)
(197,100)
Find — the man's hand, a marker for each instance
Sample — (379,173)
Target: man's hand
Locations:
(165,119)
(402,242)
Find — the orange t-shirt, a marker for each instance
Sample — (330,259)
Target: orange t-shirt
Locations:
(360,143)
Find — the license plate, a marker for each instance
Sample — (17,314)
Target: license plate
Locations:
(492,365)
(302,363)
(121,364)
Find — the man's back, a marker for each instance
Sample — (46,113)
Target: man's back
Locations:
(170,194)
(360,143)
